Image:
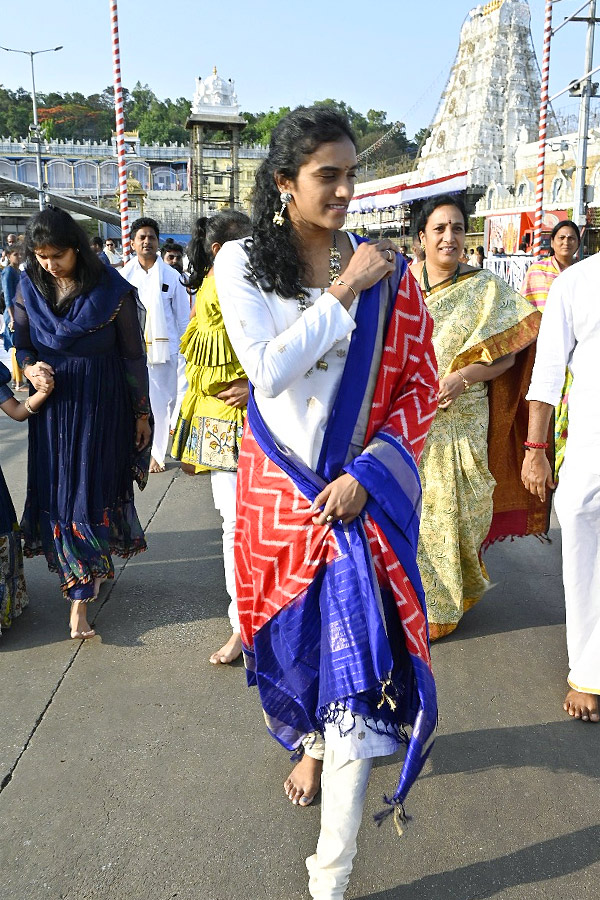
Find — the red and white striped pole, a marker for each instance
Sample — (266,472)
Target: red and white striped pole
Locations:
(539,191)
(124,202)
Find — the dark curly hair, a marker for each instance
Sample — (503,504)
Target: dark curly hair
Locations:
(53,227)
(227,225)
(274,256)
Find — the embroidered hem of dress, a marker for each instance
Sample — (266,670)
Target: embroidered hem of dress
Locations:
(30,552)
(80,552)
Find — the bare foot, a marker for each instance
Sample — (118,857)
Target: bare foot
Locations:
(188,468)
(155,467)
(229,651)
(304,781)
(97,584)
(582,706)
(80,627)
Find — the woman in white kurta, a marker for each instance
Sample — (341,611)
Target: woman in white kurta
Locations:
(289,299)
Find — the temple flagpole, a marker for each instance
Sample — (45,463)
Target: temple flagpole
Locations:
(120,129)
(539,193)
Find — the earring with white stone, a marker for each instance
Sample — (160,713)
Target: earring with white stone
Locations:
(285,198)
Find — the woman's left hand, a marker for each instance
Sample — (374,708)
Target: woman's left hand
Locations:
(143,433)
(342,500)
(235,394)
(451,387)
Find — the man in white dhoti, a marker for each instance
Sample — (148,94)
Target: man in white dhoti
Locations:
(570,336)
(167,314)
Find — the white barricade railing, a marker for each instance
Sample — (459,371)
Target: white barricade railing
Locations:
(511,269)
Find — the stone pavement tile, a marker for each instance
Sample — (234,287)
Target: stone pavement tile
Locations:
(151,773)
(36,651)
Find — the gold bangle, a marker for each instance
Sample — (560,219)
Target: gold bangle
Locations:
(345,284)
(466,383)
(27,405)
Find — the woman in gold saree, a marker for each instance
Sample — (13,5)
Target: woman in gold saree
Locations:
(470,466)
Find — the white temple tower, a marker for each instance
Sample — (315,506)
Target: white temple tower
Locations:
(491,99)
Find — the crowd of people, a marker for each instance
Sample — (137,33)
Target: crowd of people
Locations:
(370,422)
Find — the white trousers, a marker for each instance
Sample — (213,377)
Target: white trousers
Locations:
(223,490)
(347,764)
(578,509)
(163,393)
(182,387)
(344,787)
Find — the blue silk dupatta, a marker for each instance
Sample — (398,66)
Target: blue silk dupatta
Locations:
(333,617)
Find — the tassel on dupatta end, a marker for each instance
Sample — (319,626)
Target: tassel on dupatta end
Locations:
(395,809)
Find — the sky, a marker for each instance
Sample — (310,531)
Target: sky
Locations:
(393,55)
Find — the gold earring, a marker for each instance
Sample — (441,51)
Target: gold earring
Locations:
(285,198)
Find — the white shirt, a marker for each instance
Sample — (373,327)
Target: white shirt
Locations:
(570,336)
(113,257)
(174,296)
(279,347)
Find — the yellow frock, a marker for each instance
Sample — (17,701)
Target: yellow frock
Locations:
(208,431)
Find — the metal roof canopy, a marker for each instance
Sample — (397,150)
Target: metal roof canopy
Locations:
(69,203)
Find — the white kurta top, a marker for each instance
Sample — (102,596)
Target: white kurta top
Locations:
(279,346)
(175,298)
(570,336)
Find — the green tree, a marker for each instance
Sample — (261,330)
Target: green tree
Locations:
(155,125)
(260,125)
(420,137)
(377,118)
(141,101)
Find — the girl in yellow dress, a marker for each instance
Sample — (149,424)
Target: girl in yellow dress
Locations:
(209,429)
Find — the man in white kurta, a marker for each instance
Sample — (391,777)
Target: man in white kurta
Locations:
(570,336)
(167,307)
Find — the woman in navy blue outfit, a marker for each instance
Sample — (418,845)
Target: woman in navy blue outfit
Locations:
(76,320)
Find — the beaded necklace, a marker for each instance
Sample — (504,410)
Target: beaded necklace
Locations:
(335,267)
(452,279)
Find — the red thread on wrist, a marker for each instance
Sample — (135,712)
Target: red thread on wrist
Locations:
(533,445)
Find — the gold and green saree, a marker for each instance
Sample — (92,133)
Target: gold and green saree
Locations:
(470,469)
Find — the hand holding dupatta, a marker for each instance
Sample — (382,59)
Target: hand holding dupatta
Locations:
(369,264)
(343,500)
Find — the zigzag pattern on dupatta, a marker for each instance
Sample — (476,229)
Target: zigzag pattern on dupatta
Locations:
(333,617)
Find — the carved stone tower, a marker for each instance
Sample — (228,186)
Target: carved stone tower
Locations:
(214,108)
(491,99)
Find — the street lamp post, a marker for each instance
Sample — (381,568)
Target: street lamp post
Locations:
(34,130)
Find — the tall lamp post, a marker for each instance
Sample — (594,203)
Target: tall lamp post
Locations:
(34,130)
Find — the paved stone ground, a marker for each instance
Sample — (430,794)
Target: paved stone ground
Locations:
(134,770)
